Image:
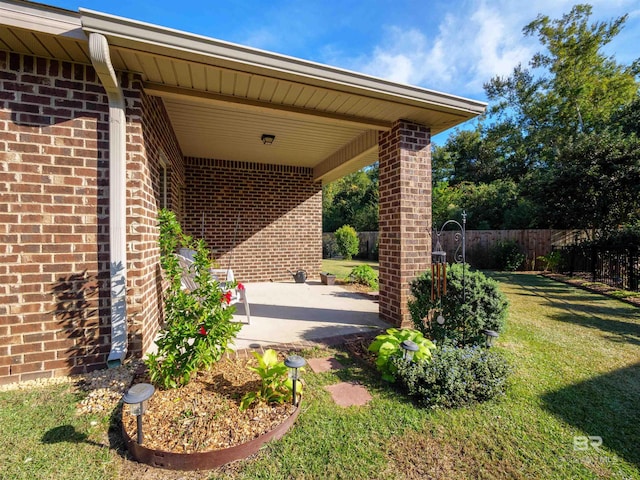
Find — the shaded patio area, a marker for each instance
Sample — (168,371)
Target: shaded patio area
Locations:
(288,312)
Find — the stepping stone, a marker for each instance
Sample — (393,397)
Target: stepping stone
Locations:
(349,394)
(320,365)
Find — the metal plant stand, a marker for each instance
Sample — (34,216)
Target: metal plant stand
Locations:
(439,261)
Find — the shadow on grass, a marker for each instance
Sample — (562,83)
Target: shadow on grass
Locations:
(67,433)
(618,331)
(607,406)
(590,310)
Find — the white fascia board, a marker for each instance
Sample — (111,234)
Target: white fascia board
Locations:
(41,18)
(132,34)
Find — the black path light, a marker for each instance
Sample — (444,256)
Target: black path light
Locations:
(294,363)
(490,337)
(409,349)
(136,397)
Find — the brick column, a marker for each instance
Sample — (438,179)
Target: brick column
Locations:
(405,215)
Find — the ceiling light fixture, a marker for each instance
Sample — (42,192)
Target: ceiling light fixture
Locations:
(268,139)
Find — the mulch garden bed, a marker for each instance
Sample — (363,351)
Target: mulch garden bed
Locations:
(204,415)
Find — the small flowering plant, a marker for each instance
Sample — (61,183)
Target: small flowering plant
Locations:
(198,326)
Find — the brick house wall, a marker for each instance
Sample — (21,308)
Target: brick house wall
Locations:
(54,226)
(53,230)
(149,138)
(278,210)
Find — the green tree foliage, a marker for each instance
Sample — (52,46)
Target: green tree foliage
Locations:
(585,87)
(352,200)
(495,205)
(597,184)
(446,202)
(558,144)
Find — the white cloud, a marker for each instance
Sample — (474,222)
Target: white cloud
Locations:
(474,41)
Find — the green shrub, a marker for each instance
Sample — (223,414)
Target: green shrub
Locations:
(551,261)
(198,324)
(508,255)
(364,275)
(485,307)
(347,241)
(387,346)
(455,376)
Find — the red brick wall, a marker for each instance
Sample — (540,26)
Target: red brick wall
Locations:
(405,215)
(279,210)
(54,226)
(149,135)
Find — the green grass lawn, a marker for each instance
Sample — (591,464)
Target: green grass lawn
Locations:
(576,358)
(342,268)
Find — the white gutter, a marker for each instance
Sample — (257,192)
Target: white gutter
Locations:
(101,60)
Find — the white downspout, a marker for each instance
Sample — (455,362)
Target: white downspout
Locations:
(101,60)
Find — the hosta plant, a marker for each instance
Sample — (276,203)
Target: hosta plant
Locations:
(276,386)
(387,346)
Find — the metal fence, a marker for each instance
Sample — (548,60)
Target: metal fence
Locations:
(618,268)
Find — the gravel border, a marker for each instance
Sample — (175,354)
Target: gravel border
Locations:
(105,387)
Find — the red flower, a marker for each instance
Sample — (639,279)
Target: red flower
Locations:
(227,296)
(202,331)
(240,286)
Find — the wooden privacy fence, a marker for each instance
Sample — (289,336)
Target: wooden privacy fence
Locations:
(532,243)
(480,244)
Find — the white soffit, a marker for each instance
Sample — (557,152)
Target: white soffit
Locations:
(221,97)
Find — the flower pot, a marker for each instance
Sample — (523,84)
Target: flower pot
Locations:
(327,278)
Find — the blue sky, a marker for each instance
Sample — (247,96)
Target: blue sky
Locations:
(452,46)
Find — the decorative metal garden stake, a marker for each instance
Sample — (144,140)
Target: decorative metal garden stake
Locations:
(409,348)
(490,337)
(439,264)
(294,362)
(136,397)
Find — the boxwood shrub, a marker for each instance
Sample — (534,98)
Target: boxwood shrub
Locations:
(454,377)
(485,307)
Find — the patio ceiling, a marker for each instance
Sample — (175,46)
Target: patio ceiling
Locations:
(222,97)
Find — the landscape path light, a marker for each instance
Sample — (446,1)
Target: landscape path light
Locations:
(490,337)
(409,348)
(136,397)
(294,363)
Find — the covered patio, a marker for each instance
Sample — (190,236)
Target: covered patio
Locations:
(304,314)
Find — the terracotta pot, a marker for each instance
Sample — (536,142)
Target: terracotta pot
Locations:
(204,460)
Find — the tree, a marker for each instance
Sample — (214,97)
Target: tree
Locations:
(353,199)
(446,203)
(585,87)
(597,183)
(577,90)
(538,147)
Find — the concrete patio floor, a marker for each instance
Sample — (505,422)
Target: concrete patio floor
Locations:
(301,313)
